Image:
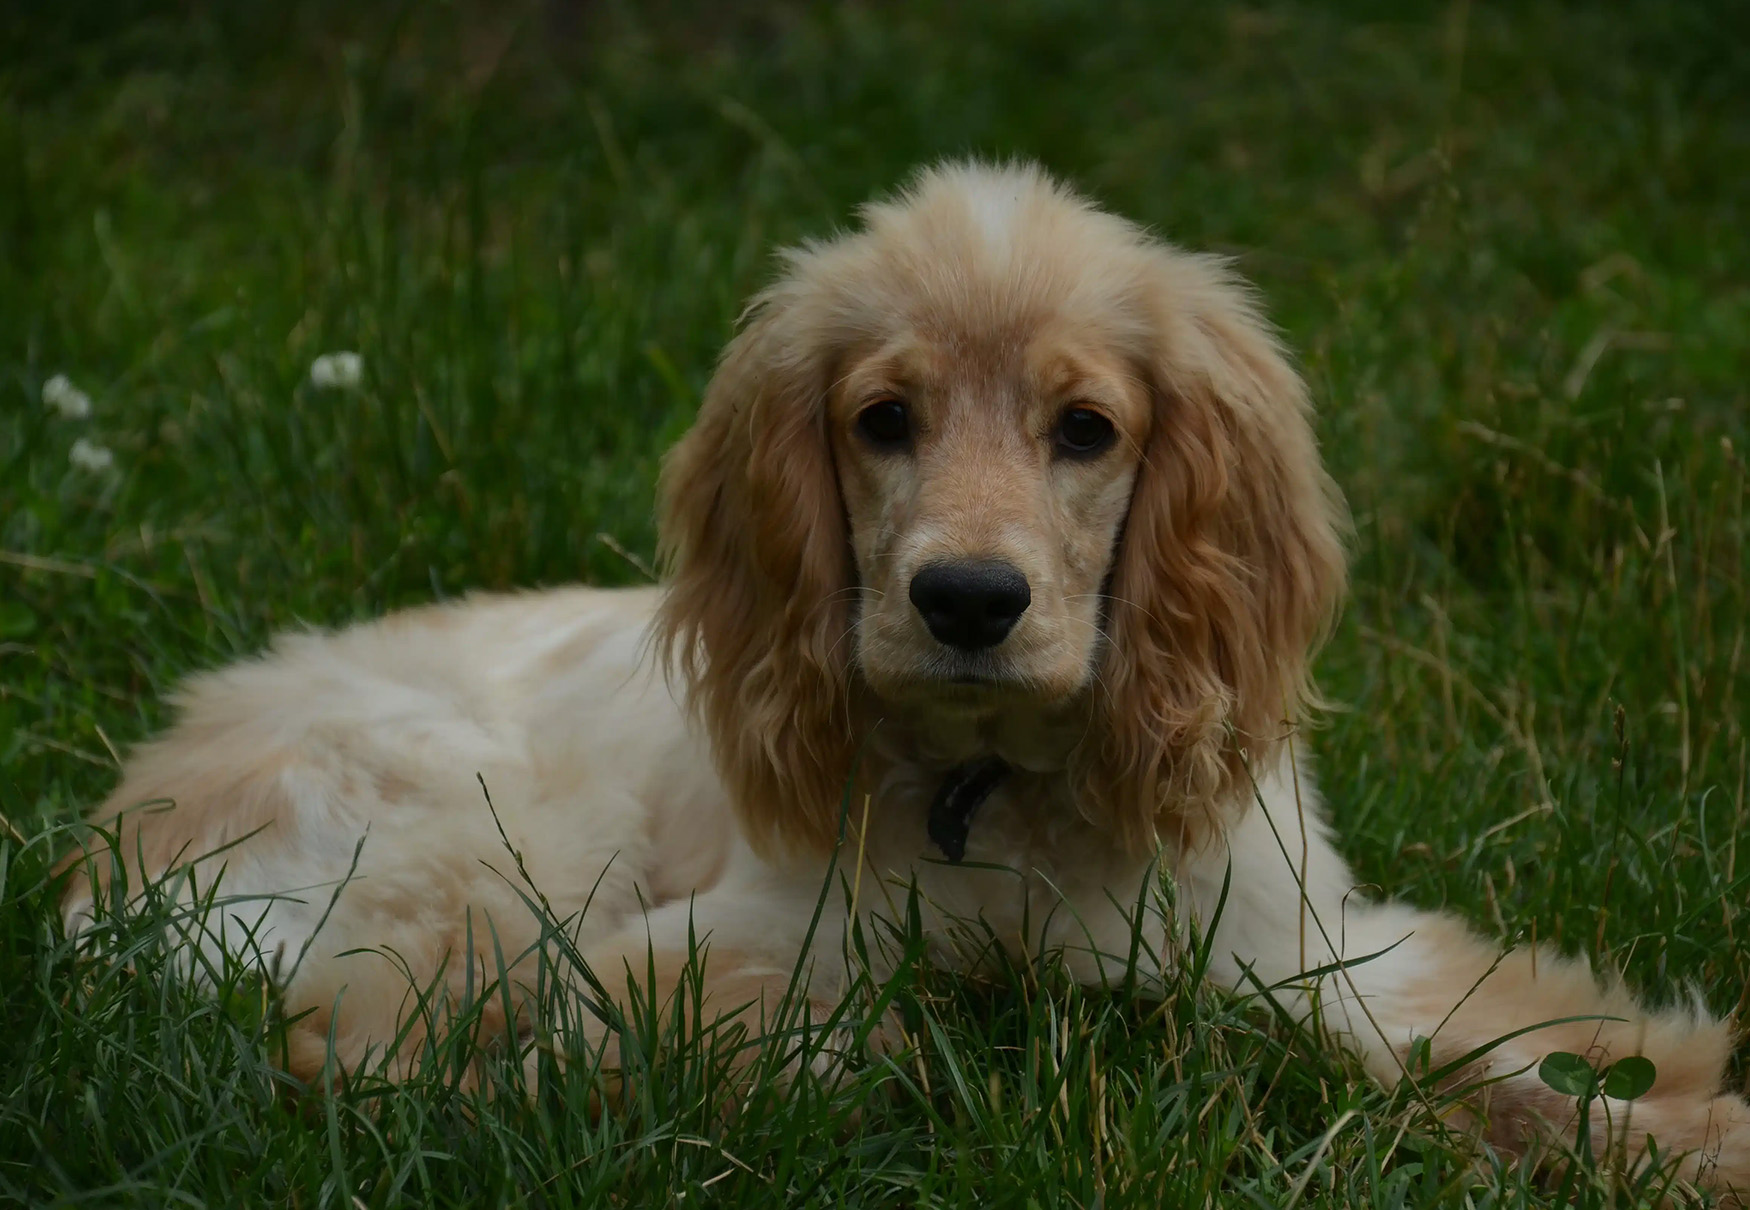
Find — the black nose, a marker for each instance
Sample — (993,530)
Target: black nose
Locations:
(971,604)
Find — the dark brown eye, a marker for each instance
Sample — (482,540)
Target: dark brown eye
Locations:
(1083,432)
(885,424)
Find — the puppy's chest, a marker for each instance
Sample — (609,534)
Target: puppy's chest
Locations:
(1019,840)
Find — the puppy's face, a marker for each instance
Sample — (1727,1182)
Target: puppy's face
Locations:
(1035,481)
(986,477)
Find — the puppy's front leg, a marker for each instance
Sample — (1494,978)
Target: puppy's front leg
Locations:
(728,971)
(1418,995)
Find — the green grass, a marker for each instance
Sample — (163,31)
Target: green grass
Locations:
(1510,244)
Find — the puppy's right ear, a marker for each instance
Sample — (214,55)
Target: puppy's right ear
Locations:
(758,605)
(1229,571)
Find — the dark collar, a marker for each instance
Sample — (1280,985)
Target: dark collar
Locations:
(963,790)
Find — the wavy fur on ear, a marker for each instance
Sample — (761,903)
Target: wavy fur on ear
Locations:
(1228,571)
(756,618)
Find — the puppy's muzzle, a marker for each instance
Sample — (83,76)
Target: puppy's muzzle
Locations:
(970,604)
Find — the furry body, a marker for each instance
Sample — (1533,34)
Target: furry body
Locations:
(1181,562)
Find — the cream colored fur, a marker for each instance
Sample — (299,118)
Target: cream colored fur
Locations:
(1179,585)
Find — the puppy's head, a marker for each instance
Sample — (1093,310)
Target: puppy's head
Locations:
(998,457)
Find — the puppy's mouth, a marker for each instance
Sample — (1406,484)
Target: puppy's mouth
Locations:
(935,685)
(968,687)
(919,673)
(956,685)
(968,682)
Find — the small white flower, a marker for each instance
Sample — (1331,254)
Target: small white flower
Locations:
(343,370)
(89,456)
(60,394)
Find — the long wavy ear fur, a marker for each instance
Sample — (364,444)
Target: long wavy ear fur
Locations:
(755,619)
(1228,571)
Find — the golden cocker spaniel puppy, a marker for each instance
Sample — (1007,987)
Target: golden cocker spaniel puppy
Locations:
(996,558)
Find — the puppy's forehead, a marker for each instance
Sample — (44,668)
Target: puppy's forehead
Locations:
(957,294)
(1047,361)
(999,277)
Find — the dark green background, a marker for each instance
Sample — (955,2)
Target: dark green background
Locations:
(1508,243)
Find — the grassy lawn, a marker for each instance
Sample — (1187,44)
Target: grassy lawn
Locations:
(1510,245)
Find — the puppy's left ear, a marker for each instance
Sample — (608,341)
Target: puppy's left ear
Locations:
(1228,572)
(755,618)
